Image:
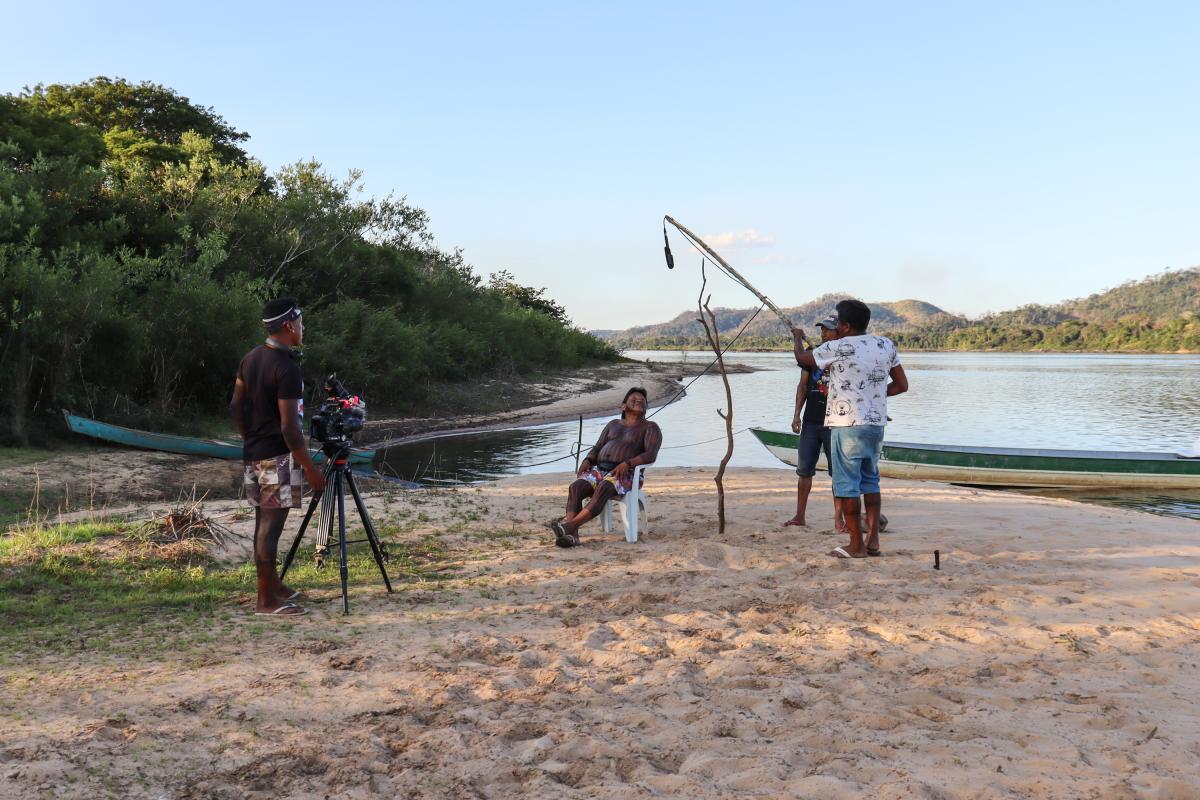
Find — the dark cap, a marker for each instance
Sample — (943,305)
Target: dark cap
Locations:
(829,323)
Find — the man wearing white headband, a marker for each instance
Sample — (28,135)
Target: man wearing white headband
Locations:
(268,404)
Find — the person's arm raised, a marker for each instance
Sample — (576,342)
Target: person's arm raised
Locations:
(293,434)
(804,356)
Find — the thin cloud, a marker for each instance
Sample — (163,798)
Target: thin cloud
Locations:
(740,239)
(766,261)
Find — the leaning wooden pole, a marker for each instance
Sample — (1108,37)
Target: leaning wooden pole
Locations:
(715,256)
(714,340)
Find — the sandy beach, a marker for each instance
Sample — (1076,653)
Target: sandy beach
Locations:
(1054,655)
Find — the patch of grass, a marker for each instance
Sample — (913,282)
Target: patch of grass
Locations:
(13,507)
(103,587)
(22,456)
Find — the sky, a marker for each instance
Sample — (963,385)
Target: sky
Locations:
(979,156)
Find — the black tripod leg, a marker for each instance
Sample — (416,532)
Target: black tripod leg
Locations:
(341,512)
(372,537)
(312,506)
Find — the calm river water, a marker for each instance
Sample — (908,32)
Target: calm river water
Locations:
(1068,401)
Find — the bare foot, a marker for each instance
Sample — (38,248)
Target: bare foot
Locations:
(287,595)
(797,520)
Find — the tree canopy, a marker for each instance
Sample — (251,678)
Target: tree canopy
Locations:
(138,241)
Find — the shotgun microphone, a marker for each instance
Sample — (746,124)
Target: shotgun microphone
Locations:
(667,249)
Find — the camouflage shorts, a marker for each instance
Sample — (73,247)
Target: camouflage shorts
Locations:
(273,482)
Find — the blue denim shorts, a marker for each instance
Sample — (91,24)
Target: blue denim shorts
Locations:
(856,451)
(813,438)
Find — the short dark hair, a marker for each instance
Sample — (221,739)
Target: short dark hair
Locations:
(854,313)
(636,390)
(276,307)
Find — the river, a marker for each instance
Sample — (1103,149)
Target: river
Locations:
(1062,401)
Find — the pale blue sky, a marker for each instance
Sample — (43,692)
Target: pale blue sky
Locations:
(976,155)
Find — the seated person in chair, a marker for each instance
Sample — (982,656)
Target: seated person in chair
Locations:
(607,472)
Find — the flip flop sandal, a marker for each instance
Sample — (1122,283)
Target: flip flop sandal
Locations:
(841,552)
(561,537)
(284,610)
(294,595)
(874,552)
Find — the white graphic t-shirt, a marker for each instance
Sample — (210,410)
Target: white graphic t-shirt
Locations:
(858,368)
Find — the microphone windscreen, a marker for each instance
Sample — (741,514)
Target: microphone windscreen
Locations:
(670,258)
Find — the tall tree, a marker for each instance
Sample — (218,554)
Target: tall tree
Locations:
(138,120)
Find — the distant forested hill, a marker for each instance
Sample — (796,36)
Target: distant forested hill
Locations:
(766,332)
(1159,314)
(139,238)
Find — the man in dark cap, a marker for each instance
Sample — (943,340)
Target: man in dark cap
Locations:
(268,407)
(864,371)
(809,422)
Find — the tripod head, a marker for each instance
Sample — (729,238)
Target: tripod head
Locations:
(337,453)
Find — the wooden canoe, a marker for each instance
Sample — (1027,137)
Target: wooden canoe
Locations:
(184,445)
(1017,467)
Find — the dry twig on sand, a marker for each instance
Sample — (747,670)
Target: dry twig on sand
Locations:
(187,522)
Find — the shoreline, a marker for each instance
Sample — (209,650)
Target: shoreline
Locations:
(662,381)
(94,475)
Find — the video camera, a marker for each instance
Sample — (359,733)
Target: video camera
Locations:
(340,415)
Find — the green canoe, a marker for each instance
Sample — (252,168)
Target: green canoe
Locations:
(185,445)
(1017,467)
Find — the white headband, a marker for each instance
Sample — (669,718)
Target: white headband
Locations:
(291,313)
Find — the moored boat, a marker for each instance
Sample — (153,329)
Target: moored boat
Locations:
(1017,467)
(184,445)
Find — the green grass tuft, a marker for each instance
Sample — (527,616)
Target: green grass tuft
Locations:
(102,586)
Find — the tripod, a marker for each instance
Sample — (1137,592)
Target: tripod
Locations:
(337,477)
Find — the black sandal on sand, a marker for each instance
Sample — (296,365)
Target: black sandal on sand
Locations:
(874,552)
(285,610)
(561,537)
(841,552)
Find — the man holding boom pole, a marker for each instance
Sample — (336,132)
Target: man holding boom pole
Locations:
(859,366)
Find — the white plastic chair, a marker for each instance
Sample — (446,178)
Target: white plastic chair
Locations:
(631,509)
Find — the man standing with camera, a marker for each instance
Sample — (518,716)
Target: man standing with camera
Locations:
(268,407)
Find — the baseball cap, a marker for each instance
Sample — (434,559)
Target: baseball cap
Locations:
(829,323)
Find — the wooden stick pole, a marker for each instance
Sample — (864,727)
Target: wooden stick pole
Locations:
(714,341)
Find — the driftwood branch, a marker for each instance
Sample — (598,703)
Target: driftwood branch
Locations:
(714,341)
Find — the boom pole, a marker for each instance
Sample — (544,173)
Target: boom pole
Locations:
(733,273)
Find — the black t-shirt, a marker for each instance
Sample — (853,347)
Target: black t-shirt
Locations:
(814,405)
(270,375)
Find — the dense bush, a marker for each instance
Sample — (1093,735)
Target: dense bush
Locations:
(138,241)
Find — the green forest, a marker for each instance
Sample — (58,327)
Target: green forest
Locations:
(139,239)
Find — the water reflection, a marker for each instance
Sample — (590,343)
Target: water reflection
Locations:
(1085,402)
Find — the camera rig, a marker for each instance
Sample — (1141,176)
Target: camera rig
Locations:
(340,416)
